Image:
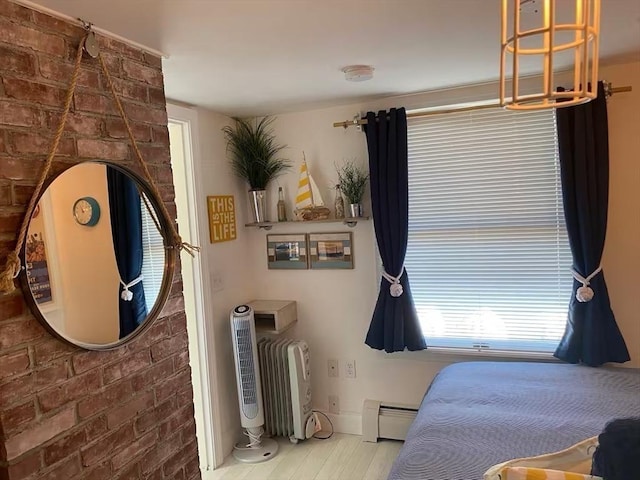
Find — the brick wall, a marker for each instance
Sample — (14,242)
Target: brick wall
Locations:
(66,413)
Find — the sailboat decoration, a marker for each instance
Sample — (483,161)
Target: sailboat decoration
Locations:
(309,203)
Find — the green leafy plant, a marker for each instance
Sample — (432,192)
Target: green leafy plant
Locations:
(352,181)
(253,152)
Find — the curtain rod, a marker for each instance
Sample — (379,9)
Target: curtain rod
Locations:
(363,121)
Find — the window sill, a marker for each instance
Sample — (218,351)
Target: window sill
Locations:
(444,354)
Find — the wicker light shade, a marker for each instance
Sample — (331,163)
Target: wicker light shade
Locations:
(553,41)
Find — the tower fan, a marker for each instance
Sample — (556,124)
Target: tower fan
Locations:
(245,354)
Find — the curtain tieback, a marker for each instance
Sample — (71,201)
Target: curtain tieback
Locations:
(395,289)
(127,295)
(585,292)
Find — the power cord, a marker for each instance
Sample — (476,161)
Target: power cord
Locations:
(254,440)
(328,420)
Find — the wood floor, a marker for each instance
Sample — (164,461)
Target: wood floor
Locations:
(342,457)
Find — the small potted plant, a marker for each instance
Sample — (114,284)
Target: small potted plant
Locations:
(352,181)
(253,153)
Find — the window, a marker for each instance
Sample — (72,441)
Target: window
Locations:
(152,256)
(488,254)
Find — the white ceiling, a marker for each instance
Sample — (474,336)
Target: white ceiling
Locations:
(254,57)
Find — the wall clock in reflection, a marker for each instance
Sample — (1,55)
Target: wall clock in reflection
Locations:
(86,211)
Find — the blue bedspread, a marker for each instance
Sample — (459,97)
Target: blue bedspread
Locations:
(478,414)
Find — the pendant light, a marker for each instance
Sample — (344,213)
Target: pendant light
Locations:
(565,40)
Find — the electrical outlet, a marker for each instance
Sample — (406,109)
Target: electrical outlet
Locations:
(350,369)
(334,404)
(332,366)
(217,282)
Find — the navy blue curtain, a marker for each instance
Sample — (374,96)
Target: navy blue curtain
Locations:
(394,326)
(126,229)
(591,336)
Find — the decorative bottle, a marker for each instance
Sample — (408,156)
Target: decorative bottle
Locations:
(282,210)
(339,203)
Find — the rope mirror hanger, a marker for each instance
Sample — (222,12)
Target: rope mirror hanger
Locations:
(89,44)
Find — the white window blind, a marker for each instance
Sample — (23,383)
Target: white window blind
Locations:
(152,257)
(488,254)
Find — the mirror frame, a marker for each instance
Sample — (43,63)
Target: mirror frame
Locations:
(167,279)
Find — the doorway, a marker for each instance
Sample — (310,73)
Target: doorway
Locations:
(183,137)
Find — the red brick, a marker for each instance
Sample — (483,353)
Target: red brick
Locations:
(179,459)
(173,424)
(101,472)
(120,47)
(13,60)
(19,115)
(184,397)
(22,331)
(181,361)
(178,475)
(192,469)
(161,135)
(16,390)
(129,410)
(76,123)
(136,448)
(15,362)
(174,304)
(57,25)
(132,472)
(13,418)
(22,36)
(34,92)
(116,129)
(65,447)
(114,66)
(188,432)
(110,396)
(89,102)
(26,466)
(102,150)
(129,365)
(157,97)
(51,349)
(96,427)
(143,113)
(178,322)
(22,193)
(89,360)
(108,445)
(11,306)
(161,370)
(5,193)
(143,73)
(59,72)
(157,331)
(151,418)
(15,11)
(64,470)
(10,222)
(73,389)
(173,385)
(167,194)
(35,436)
(39,144)
(155,155)
(132,90)
(154,458)
(169,346)
(52,374)
(153,60)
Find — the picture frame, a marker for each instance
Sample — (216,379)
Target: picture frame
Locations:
(287,251)
(331,250)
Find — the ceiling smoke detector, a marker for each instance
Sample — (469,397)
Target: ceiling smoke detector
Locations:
(358,73)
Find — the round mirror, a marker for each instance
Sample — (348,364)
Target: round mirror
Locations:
(98,267)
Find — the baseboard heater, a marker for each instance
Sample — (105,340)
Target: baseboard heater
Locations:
(386,420)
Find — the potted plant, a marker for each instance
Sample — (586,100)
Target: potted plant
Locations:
(253,153)
(352,181)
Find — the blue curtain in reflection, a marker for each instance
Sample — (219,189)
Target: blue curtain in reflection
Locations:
(126,228)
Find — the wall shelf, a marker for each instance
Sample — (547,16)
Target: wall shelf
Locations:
(350,222)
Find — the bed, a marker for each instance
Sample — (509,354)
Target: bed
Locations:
(478,414)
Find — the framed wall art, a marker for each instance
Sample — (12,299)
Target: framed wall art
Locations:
(330,250)
(287,252)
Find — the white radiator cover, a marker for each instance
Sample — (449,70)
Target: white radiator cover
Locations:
(386,420)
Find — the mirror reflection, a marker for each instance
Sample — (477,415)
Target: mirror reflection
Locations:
(94,255)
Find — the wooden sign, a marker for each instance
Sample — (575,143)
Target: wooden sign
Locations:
(222,218)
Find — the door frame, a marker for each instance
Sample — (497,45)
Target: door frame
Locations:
(201,348)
